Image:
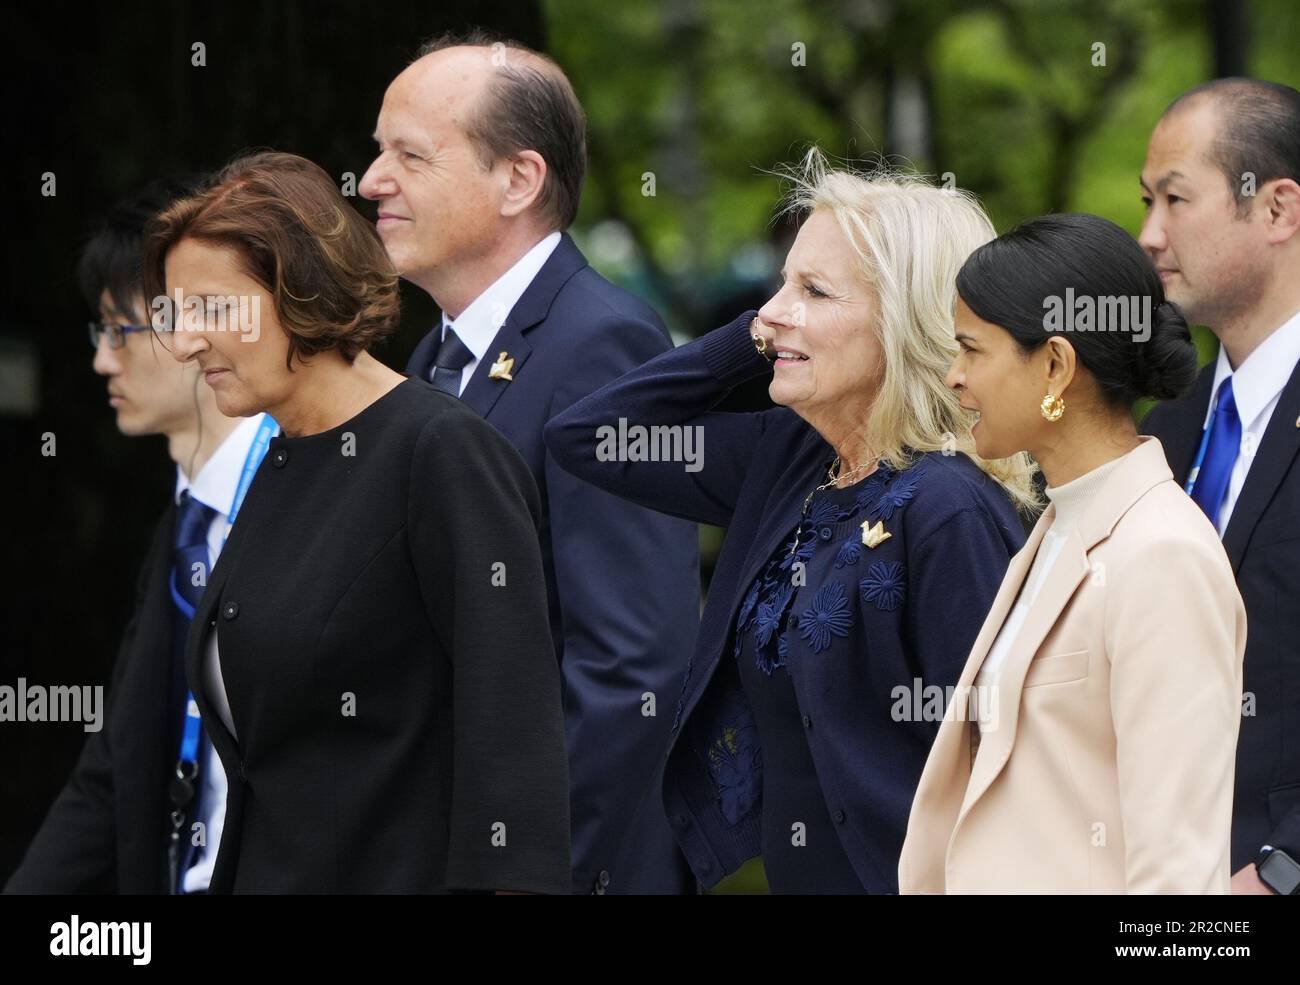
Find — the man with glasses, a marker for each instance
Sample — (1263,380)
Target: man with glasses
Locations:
(143,809)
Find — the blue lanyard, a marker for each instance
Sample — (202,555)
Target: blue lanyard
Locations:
(1200,452)
(256,452)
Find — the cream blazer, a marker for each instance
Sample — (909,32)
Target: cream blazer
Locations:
(1109,764)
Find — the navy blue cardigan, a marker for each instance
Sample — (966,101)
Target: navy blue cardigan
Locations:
(952,531)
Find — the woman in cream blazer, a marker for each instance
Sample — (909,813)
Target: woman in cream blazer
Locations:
(1089,744)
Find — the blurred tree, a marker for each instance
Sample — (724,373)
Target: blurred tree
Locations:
(1015,98)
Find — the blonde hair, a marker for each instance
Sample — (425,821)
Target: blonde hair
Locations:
(910,239)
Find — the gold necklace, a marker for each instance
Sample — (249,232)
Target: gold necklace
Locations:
(831,479)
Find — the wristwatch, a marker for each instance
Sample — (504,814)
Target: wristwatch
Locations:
(1278,871)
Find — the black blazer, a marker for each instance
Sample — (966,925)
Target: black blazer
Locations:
(380,610)
(107,830)
(1262,540)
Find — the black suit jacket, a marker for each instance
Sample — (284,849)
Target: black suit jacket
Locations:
(622,581)
(380,612)
(107,830)
(1262,540)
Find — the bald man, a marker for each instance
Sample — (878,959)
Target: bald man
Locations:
(479,171)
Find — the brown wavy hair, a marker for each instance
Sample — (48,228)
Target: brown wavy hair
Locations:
(330,280)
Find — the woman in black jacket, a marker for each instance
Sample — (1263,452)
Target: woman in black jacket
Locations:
(372,656)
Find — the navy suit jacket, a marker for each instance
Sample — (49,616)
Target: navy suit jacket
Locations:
(623,582)
(955,533)
(1262,540)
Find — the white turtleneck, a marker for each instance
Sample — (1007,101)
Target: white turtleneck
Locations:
(1070,501)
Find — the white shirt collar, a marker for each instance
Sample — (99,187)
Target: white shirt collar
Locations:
(216,482)
(478,324)
(1261,376)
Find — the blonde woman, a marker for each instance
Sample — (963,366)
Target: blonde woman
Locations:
(864,541)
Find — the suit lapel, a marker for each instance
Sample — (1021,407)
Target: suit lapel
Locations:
(1273,458)
(1063,578)
(941,797)
(426,351)
(483,392)
(952,746)
(529,312)
(1146,467)
(1017,571)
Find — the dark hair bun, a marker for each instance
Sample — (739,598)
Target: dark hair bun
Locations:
(1167,361)
(1010,281)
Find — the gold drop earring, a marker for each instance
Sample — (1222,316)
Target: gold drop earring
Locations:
(1052,407)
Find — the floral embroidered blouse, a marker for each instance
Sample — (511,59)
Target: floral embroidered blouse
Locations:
(805,601)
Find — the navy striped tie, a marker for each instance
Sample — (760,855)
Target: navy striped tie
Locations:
(190,548)
(453,356)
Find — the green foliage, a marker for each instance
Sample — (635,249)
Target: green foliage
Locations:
(1005,95)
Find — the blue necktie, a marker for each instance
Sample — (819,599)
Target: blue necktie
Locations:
(1220,454)
(453,356)
(189,549)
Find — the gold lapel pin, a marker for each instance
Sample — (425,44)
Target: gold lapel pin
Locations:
(874,536)
(501,368)
(1297,422)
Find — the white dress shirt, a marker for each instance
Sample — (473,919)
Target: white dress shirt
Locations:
(1256,386)
(215,486)
(479,323)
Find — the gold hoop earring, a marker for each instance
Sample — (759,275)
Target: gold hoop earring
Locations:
(1052,407)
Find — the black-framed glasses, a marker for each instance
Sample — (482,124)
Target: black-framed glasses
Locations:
(116,333)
